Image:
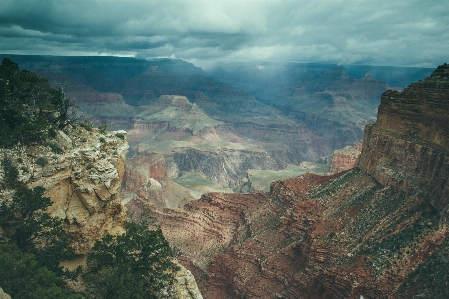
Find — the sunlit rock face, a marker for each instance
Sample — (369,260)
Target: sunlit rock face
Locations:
(82,179)
(82,172)
(375,231)
(345,158)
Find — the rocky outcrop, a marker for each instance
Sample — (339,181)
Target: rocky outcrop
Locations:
(82,173)
(408,146)
(184,286)
(345,158)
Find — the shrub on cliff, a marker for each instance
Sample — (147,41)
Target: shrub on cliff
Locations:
(137,264)
(10,174)
(25,223)
(22,277)
(30,109)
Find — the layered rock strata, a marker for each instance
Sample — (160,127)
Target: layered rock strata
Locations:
(377,231)
(408,146)
(345,158)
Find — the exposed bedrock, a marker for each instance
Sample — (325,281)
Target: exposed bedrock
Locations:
(226,167)
(83,181)
(378,231)
(408,146)
(345,158)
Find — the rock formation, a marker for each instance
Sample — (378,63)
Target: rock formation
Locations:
(345,158)
(408,146)
(185,286)
(377,231)
(82,174)
(181,137)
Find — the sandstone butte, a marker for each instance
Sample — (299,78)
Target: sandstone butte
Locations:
(377,231)
(83,181)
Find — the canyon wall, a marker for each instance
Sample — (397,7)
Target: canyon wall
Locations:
(82,172)
(379,230)
(408,146)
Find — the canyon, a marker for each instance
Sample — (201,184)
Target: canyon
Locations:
(262,117)
(378,230)
(375,227)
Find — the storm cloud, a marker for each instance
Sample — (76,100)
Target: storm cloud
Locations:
(402,32)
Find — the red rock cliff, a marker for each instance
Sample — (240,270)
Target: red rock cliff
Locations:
(409,144)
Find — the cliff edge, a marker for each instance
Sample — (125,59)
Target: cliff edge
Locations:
(408,146)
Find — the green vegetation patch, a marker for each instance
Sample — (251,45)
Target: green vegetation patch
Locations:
(30,109)
(198,182)
(325,192)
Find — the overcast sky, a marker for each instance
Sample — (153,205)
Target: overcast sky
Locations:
(377,32)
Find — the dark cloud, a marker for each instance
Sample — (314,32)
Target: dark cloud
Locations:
(402,32)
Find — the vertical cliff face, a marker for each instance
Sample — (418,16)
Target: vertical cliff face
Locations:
(408,146)
(379,230)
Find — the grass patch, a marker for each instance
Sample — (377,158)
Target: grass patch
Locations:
(200,184)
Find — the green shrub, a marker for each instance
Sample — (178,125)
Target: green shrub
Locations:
(86,125)
(89,166)
(11,174)
(56,148)
(30,109)
(102,129)
(42,161)
(137,264)
(120,135)
(21,276)
(32,246)
(102,139)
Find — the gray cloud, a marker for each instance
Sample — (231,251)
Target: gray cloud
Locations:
(381,32)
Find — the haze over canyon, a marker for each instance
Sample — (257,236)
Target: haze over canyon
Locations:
(268,180)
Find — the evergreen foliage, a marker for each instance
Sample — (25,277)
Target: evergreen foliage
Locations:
(137,264)
(10,174)
(22,277)
(25,223)
(30,109)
